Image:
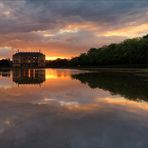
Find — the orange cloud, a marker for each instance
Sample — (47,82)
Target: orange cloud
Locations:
(129,31)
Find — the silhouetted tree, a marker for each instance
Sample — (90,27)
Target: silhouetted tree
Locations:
(5,63)
(130,51)
(58,63)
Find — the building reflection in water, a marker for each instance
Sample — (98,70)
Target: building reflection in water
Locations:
(28,76)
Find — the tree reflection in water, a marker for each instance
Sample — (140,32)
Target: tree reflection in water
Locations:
(127,84)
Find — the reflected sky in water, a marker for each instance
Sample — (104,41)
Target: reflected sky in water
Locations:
(63,108)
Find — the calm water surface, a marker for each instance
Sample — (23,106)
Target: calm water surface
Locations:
(63,108)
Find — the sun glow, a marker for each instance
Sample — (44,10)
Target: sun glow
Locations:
(54,58)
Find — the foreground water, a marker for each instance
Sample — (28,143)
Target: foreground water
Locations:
(57,108)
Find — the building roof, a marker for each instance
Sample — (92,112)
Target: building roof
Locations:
(28,54)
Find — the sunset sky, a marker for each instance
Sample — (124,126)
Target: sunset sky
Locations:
(66,28)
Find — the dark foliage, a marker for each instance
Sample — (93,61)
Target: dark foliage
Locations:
(57,63)
(131,51)
(5,63)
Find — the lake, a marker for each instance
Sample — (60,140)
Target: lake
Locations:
(64,108)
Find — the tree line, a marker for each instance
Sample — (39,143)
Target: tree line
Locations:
(130,51)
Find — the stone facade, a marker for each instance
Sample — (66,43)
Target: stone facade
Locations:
(28,59)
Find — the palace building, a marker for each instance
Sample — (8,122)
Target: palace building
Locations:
(28,59)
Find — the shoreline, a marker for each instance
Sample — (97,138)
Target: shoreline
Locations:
(95,69)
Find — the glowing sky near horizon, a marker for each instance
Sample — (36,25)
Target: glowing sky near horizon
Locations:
(67,28)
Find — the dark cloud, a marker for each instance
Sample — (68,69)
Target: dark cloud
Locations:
(21,21)
(33,15)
